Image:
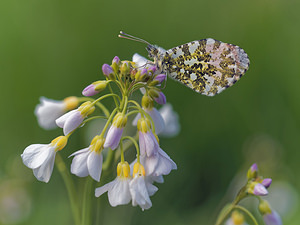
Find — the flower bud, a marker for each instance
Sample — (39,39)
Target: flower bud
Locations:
(161,99)
(258,189)
(108,71)
(160,77)
(252,172)
(147,102)
(125,68)
(266,182)
(141,75)
(270,217)
(116,64)
(116,60)
(86,109)
(95,88)
(151,70)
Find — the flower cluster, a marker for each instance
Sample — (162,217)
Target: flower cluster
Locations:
(256,186)
(133,182)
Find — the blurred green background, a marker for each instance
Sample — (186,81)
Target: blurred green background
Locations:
(55,48)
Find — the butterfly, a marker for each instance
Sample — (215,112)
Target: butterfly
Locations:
(207,66)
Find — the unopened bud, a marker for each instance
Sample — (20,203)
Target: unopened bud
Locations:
(147,102)
(108,71)
(252,172)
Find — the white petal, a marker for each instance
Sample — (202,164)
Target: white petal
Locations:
(150,163)
(151,188)
(139,193)
(139,60)
(79,163)
(48,111)
(35,155)
(101,190)
(61,120)
(157,119)
(72,122)
(171,118)
(119,194)
(43,173)
(94,164)
(150,143)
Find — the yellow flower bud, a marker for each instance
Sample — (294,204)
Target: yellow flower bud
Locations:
(147,102)
(71,102)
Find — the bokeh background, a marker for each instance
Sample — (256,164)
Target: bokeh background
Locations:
(55,48)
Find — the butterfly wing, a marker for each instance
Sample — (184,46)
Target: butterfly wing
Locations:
(207,66)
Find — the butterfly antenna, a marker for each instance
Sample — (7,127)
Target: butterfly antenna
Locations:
(133,38)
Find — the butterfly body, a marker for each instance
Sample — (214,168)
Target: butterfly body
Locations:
(207,66)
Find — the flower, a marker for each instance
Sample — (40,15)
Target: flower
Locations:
(171,120)
(147,141)
(139,189)
(270,217)
(118,189)
(259,190)
(40,157)
(88,161)
(49,110)
(155,116)
(115,131)
(158,164)
(71,120)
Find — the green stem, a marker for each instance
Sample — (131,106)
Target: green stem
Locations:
(108,122)
(247,212)
(122,152)
(115,100)
(136,146)
(228,208)
(109,160)
(72,193)
(86,202)
(94,117)
(105,96)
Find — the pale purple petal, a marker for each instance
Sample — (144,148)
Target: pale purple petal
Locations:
(61,120)
(272,218)
(72,122)
(90,90)
(119,193)
(150,163)
(113,137)
(35,155)
(151,188)
(157,119)
(165,164)
(79,163)
(43,173)
(148,143)
(267,182)
(260,190)
(94,164)
(160,77)
(161,99)
(171,119)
